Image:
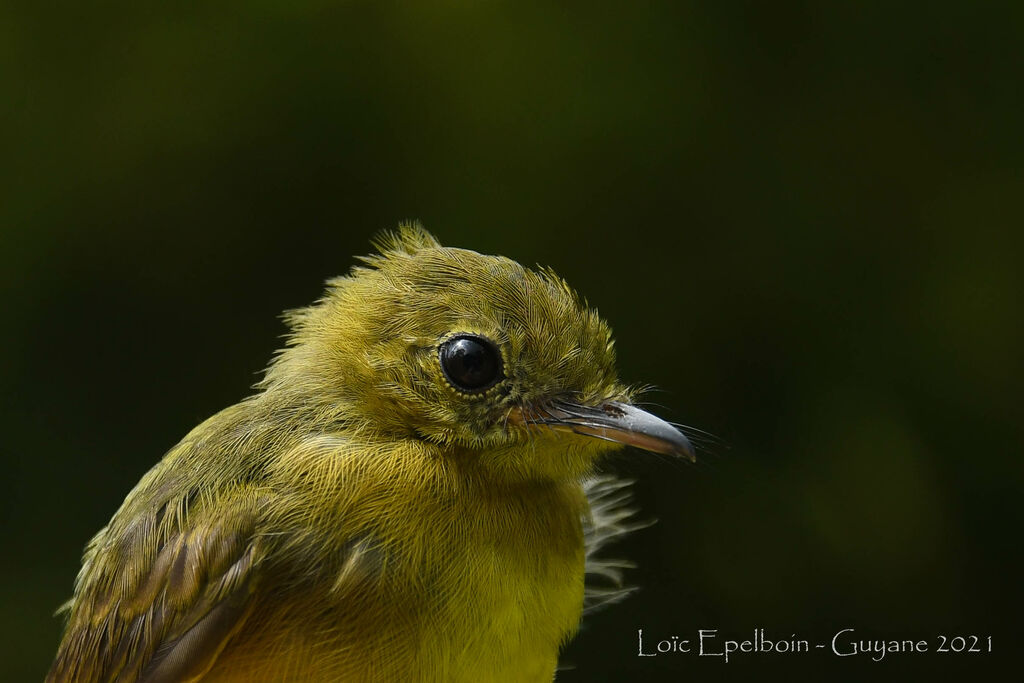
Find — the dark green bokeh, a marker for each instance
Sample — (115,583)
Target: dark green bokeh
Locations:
(803,223)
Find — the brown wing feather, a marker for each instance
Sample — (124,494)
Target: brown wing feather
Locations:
(160,595)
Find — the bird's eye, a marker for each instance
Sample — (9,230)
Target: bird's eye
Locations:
(470,363)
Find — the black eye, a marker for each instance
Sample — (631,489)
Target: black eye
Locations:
(470,363)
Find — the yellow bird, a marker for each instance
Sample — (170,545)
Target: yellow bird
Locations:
(403,499)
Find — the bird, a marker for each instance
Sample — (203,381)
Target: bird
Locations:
(409,494)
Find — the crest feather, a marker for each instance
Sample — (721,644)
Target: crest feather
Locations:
(409,238)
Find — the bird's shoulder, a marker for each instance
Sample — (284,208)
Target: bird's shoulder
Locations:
(164,585)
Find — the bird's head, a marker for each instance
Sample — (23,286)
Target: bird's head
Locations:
(475,354)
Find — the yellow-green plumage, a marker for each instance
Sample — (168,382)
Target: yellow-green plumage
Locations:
(361,518)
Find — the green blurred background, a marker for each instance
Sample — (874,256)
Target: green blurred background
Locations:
(802,220)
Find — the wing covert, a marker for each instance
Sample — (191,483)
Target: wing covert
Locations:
(160,596)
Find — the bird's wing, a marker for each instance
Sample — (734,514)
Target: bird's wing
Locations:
(160,595)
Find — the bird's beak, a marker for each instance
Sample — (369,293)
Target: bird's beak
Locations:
(612,421)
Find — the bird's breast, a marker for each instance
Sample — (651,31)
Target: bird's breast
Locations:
(459,582)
